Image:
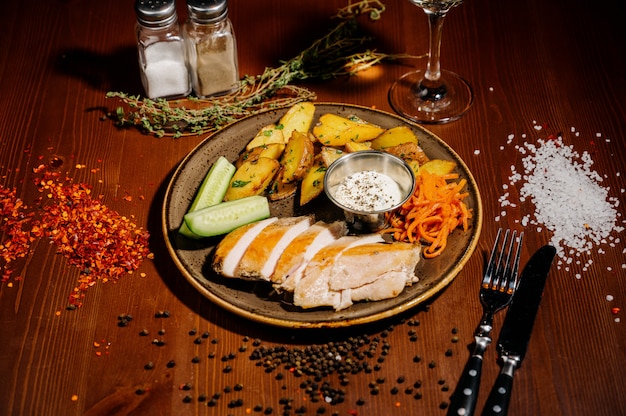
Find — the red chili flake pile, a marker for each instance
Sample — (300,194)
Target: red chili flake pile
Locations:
(101,243)
(14,218)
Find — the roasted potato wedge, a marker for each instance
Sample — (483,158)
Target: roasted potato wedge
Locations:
(297,157)
(252,178)
(272,150)
(280,190)
(438,166)
(267,135)
(394,137)
(298,118)
(408,151)
(330,154)
(352,147)
(312,184)
(336,131)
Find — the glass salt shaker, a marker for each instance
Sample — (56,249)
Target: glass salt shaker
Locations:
(211,48)
(161,49)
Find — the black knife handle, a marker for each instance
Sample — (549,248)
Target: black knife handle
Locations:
(498,401)
(466,393)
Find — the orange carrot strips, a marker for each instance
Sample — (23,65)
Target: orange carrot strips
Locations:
(432,213)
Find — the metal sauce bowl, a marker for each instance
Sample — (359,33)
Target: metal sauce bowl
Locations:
(369,160)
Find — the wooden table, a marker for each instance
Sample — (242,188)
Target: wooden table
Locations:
(537,69)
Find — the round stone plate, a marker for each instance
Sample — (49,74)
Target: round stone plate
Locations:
(257,301)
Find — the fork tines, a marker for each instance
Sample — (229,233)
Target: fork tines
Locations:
(501,274)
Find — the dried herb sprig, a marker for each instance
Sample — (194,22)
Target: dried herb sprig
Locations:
(339,53)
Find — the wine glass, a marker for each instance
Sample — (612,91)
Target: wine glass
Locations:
(433,96)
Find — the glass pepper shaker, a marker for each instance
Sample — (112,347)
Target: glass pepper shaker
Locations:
(211,48)
(161,49)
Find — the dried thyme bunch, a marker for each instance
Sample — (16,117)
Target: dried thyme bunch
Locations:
(340,52)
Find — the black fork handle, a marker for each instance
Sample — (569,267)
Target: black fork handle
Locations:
(466,392)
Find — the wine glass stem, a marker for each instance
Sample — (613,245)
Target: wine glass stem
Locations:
(432,77)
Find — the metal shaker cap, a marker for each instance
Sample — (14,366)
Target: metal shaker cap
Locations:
(155,12)
(207,11)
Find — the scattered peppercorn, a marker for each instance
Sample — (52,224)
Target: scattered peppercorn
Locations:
(124,320)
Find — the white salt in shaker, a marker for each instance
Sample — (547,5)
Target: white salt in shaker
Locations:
(161,50)
(211,48)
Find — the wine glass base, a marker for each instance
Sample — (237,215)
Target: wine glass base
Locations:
(405,97)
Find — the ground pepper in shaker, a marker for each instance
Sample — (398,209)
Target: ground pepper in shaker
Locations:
(161,50)
(211,48)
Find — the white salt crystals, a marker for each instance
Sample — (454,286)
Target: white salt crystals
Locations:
(568,198)
(165,70)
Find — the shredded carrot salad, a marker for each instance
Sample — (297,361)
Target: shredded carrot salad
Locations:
(432,213)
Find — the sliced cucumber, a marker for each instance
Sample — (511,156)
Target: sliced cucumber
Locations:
(212,190)
(224,217)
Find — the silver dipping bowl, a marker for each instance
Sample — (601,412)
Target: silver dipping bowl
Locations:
(369,160)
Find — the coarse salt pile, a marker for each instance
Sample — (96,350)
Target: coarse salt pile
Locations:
(568,198)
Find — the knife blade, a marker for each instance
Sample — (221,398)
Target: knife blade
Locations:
(517,328)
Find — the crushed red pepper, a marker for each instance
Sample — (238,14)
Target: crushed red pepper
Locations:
(100,242)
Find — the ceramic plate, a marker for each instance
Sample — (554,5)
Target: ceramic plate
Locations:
(256,300)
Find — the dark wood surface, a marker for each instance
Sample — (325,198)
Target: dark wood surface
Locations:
(557,64)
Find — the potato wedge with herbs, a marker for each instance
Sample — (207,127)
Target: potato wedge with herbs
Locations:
(393,137)
(408,151)
(297,157)
(336,131)
(330,154)
(312,184)
(280,190)
(272,150)
(267,135)
(252,178)
(352,147)
(298,118)
(438,167)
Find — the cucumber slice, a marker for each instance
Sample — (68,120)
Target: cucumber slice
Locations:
(212,190)
(224,217)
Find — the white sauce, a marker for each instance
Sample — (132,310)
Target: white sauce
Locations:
(368,191)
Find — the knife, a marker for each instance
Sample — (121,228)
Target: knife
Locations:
(517,327)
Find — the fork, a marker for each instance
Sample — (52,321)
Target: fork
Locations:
(496,292)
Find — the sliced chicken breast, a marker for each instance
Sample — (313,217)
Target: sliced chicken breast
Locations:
(388,285)
(301,250)
(230,250)
(313,289)
(259,260)
(363,264)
